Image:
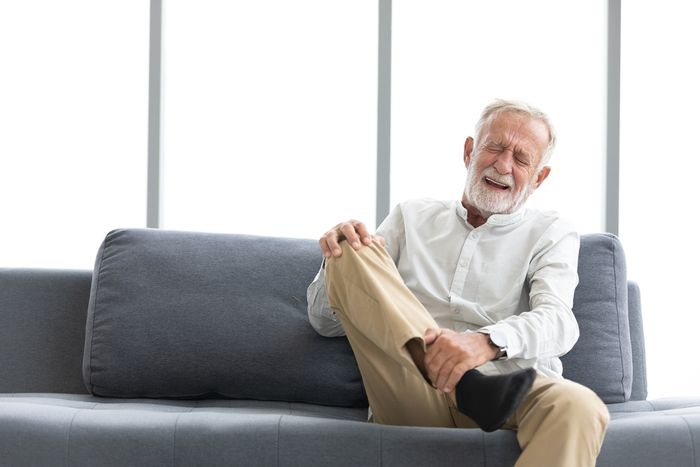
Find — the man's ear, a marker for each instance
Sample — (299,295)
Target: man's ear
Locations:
(544,173)
(468,148)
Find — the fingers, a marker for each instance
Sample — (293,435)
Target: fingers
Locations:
(362,232)
(325,248)
(434,356)
(433,366)
(349,231)
(445,361)
(329,243)
(450,374)
(446,371)
(354,231)
(446,375)
(455,375)
(379,239)
(433,349)
(431,335)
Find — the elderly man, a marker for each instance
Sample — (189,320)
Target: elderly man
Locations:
(458,311)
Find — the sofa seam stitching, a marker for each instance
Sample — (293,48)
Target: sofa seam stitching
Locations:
(108,240)
(70,428)
(279,422)
(692,440)
(177,420)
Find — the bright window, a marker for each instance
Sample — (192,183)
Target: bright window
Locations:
(269,122)
(451,58)
(74,122)
(660,161)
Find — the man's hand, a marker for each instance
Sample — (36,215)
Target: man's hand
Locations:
(355,232)
(451,354)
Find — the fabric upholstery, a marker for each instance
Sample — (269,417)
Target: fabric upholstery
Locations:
(49,431)
(639,373)
(658,405)
(42,316)
(42,329)
(602,357)
(192,315)
(654,440)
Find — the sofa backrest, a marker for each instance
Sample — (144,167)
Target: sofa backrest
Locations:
(195,315)
(43,314)
(602,357)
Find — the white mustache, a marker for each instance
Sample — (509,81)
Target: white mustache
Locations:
(493,174)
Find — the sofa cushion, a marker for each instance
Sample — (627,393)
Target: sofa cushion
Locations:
(602,357)
(193,315)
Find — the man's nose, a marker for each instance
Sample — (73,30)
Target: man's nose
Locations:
(504,163)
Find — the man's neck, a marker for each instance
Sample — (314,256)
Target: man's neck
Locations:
(474,216)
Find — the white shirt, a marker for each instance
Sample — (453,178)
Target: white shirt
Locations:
(513,277)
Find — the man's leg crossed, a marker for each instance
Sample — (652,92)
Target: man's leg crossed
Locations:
(559,423)
(380,316)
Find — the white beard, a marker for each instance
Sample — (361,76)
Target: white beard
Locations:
(489,201)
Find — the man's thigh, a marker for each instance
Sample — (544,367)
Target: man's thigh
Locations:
(548,393)
(380,315)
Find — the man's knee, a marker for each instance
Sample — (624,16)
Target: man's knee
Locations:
(349,254)
(336,264)
(353,267)
(354,261)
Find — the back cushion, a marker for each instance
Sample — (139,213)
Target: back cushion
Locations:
(191,315)
(602,357)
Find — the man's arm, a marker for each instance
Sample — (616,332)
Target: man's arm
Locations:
(549,329)
(321,317)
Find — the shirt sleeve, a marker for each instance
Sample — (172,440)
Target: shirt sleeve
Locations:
(393,230)
(321,317)
(549,329)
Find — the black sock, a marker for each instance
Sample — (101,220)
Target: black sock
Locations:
(490,400)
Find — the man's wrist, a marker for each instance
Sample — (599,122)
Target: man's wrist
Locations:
(498,351)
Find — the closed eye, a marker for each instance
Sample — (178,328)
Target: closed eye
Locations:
(494,148)
(522,159)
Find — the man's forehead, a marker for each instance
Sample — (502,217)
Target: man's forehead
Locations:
(504,123)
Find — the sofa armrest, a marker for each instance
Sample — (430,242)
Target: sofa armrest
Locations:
(42,329)
(639,372)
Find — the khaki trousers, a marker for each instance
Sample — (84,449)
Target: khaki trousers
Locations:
(560,423)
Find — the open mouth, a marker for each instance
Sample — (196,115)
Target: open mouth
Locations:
(495,184)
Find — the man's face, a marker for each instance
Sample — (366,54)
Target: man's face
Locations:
(502,170)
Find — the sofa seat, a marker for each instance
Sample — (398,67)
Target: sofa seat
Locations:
(664,406)
(154,432)
(88,430)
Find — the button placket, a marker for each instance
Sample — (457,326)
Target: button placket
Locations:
(460,276)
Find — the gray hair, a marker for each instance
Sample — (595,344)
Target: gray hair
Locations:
(500,106)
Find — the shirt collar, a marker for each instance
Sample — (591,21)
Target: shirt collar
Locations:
(495,219)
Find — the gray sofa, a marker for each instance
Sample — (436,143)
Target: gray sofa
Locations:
(193,349)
